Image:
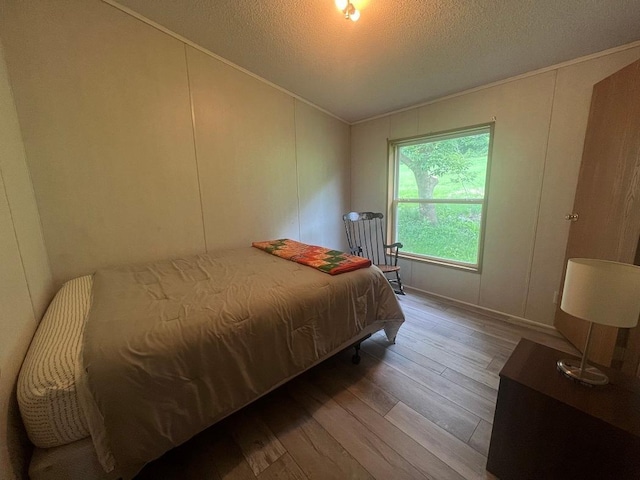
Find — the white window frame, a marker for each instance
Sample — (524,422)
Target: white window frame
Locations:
(394,201)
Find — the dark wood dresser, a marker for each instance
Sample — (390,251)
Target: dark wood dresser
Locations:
(547,426)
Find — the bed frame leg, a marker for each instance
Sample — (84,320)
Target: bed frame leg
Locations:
(356,357)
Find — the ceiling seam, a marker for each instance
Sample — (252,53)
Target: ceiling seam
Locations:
(568,63)
(140,17)
(186,41)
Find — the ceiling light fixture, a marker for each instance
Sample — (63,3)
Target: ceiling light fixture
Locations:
(350,12)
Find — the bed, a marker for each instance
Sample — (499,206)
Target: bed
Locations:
(132,361)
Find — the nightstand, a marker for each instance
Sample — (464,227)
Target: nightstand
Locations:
(547,426)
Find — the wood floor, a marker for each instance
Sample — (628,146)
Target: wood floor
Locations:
(421,408)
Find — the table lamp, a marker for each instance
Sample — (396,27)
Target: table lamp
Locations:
(602,292)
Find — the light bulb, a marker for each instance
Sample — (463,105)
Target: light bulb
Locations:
(355,15)
(342,4)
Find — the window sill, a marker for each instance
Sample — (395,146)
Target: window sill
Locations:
(441,263)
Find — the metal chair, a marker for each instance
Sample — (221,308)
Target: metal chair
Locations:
(366,237)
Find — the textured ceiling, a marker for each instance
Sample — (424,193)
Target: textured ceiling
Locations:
(399,53)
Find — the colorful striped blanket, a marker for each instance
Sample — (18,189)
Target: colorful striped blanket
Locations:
(324,259)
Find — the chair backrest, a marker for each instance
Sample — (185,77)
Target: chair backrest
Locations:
(366,235)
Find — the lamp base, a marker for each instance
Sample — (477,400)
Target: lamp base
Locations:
(589,376)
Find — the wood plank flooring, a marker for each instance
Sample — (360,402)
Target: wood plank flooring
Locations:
(420,409)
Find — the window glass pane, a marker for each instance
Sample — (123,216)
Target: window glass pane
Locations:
(444,168)
(444,230)
(407,186)
(447,168)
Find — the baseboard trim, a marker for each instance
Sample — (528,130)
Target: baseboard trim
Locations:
(505,317)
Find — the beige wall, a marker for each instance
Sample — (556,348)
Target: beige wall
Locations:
(25,278)
(323,176)
(139,147)
(539,131)
(142,147)
(245,141)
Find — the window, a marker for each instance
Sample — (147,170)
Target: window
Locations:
(439,195)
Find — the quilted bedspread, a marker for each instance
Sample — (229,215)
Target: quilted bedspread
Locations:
(324,259)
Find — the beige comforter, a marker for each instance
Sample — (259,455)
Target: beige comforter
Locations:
(172,347)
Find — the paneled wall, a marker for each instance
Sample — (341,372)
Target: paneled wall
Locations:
(142,147)
(324,175)
(25,278)
(540,122)
(129,145)
(246,151)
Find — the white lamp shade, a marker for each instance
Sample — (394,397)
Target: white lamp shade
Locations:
(603,292)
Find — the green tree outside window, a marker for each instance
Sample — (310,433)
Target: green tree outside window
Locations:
(439,195)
